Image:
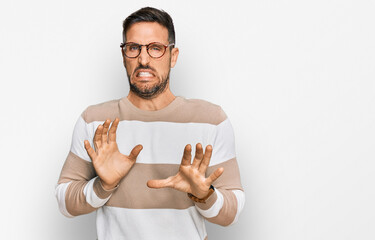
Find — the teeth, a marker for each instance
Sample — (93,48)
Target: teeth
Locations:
(144,74)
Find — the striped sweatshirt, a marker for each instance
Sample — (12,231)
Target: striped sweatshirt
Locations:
(132,211)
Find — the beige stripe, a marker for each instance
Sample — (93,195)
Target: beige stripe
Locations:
(75,168)
(75,200)
(102,111)
(230,179)
(134,193)
(228,211)
(181,110)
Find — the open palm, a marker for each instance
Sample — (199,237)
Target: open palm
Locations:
(110,165)
(190,177)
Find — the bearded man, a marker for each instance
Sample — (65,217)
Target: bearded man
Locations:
(157,191)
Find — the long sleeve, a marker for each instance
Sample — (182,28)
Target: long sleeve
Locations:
(225,205)
(79,190)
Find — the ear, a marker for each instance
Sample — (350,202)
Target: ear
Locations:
(174,56)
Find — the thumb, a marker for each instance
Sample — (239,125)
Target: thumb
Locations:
(215,175)
(134,153)
(161,183)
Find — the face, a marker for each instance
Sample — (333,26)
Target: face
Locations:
(149,77)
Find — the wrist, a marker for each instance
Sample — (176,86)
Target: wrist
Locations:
(100,191)
(107,186)
(211,190)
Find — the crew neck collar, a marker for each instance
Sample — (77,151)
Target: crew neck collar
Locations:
(167,109)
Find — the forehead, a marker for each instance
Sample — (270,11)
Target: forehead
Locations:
(146,32)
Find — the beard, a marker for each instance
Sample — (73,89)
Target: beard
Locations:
(152,91)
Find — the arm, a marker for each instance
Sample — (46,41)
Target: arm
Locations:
(79,190)
(225,204)
(224,208)
(89,176)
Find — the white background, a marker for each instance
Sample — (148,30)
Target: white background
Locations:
(296,78)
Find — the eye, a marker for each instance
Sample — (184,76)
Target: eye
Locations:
(156,47)
(132,47)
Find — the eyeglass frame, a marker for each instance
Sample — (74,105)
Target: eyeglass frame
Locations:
(122,45)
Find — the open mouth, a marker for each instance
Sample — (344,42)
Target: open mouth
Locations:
(144,74)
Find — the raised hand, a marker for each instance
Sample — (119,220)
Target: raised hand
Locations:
(191,176)
(110,165)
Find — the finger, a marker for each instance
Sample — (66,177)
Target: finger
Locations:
(186,158)
(98,137)
(90,151)
(206,159)
(112,130)
(161,183)
(105,131)
(215,175)
(198,156)
(134,153)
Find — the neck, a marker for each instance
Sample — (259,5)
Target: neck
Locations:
(153,104)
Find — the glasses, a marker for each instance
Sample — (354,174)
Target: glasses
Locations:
(154,49)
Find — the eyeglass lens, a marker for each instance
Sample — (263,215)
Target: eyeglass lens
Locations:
(155,50)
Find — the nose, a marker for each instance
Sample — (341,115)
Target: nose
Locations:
(143,57)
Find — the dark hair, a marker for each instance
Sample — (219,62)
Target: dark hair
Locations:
(149,14)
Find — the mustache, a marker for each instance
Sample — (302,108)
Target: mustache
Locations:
(143,67)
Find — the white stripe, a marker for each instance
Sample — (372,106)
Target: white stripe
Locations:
(224,143)
(80,134)
(240,196)
(214,210)
(60,195)
(144,224)
(163,142)
(91,197)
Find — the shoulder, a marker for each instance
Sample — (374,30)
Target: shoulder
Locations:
(204,111)
(101,111)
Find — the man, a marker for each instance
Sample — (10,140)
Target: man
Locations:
(151,193)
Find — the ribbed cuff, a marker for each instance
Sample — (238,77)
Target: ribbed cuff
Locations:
(100,191)
(209,202)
